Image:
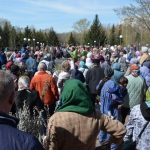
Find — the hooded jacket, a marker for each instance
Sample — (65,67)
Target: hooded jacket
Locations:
(117,73)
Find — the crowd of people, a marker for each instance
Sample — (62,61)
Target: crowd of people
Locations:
(81,93)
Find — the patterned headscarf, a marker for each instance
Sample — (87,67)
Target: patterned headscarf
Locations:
(23,83)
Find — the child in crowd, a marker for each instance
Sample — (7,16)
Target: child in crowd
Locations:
(118,93)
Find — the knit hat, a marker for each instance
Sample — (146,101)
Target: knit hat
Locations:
(145,49)
(8,65)
(108,72)
(14,68)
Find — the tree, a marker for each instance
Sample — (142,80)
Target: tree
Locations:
(0,35)
(80,28)
(53,38)
(71,40)
(5,35)
(136,16)
(113,36)
(96,33)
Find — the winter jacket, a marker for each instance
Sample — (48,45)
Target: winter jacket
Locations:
(139,116)
(136,90)
(93,76)
(13,139)
(31,99)
(46,85)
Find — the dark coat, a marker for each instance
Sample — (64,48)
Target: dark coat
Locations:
(93,76)
(13,139)
(79,75)
(31,99)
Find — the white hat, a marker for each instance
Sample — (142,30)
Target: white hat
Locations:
(144,49)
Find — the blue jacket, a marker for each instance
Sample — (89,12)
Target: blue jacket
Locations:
(31,65)
(13,139)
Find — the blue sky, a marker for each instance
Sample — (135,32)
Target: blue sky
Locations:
(59,14)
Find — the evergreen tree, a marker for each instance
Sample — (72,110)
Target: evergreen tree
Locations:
(118,35)
(52,38)
(71,40)
(96,33)
(5,35)
(113,36)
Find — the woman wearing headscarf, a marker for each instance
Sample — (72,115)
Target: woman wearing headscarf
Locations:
(105,99)
(76,124)
(83,68)
(26,96)
(136,91)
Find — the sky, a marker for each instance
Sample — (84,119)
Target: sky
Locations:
(59,14)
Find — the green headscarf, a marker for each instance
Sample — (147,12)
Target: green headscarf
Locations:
(75,98)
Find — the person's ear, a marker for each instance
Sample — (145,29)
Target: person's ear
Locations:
(11,98)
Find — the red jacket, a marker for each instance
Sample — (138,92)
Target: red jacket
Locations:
(45,84)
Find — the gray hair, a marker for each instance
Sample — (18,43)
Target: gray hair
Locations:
(7,85)
(42,66)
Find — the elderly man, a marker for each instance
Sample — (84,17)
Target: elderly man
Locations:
(45,84)
(10,136)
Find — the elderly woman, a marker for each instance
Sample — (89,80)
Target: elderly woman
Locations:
(76,124)
(26,96)
(105,99)
(136,91)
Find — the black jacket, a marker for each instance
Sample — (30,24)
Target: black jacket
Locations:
(93,76)
(13,139)
(31,99)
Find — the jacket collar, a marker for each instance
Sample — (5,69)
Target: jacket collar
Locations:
(8,120)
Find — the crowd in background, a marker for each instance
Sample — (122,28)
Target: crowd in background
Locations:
(115,80)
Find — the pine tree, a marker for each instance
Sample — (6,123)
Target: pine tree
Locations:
(5,35)
(96,33)
(113,36)
(71,40)
(53,38)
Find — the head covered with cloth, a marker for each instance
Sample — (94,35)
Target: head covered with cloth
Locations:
(75,98)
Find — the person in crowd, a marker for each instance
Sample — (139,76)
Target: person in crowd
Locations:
(147,64)
(93,76)
(145,56)
(83,68)
(78,74)
(144,71)
(58,59)
(113,58)
(18,140)
(45,84)
(75,117)
(31,65)
(103,62)
(74,54)
(147,79)
(117,73)
(15,72)
(138,55)
(26,96)
(118,93)
(139,120)
(136,91)
(64,75)
(105,98)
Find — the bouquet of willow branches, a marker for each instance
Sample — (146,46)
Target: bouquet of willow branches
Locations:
(29,123)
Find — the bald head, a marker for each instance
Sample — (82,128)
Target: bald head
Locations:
(42,67)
